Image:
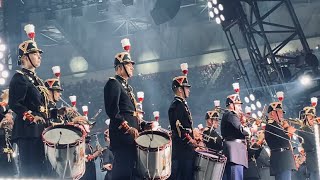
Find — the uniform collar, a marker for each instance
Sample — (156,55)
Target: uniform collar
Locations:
(28,72)
(179,98)
(121,79)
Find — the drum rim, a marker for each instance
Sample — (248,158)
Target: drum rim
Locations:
(168,144)
(220,158)
(62,146)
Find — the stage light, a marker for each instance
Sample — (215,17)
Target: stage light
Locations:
(258,104)
(222,17)
(1,55)
(246,99)
(2,47)
(252,98)
(2,81)
(1,67)
(214,2)
(210,4)
(211,14)
(259,113)
(220,7)
(305,80)
(218,20)
(216,10)
(253,107)
(5,74)
(254,115)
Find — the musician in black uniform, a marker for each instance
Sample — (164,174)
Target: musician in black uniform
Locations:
(212,138)
(234,135)
(27,98)
(309,144)
(107,156)
(281,159)
(120,106)
(7,163)
(183,142)
(54,94)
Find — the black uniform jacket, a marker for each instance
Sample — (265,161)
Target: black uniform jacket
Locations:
(107,156)
(25,96)
(215,140)
(181,125)
(232,132)
(280,159)
(120,106)
(309,146)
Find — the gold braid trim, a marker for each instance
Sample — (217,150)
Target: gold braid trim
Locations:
(178,125)
(45,92)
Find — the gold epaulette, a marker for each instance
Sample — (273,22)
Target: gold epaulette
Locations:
(112,78)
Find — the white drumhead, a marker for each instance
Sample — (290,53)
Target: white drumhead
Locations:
(62,135)
(152,140)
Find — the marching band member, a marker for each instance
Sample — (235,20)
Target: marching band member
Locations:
(183,143)
(28,98)
(281,159)
(54,93)
(211,137)
(7,163)
(234,135)
(120,106)
(107,157)
(309,144)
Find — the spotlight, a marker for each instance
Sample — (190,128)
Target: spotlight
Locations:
(305,80)
(252,98)
(258,104)
(220,7)
(254,115)
(216,10)
(253,107)
(214,2)
(5,74)
(246,99)
(1,55)
(218,20)
(210,4)
(211,14)
(259,113)
(1,67)
(2,81)
(222,17)
(2,47)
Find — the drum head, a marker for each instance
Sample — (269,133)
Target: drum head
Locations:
(153,139)
(62,135)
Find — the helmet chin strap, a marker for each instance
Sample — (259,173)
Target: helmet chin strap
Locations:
(125,70)
(184,93)
(30,61)
(52,91)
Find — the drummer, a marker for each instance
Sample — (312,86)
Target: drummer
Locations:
(54,93)
(27,99)
(183,142)
(212,139)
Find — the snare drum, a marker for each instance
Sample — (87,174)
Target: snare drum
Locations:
(65,149)
(209,165)
(154,155)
